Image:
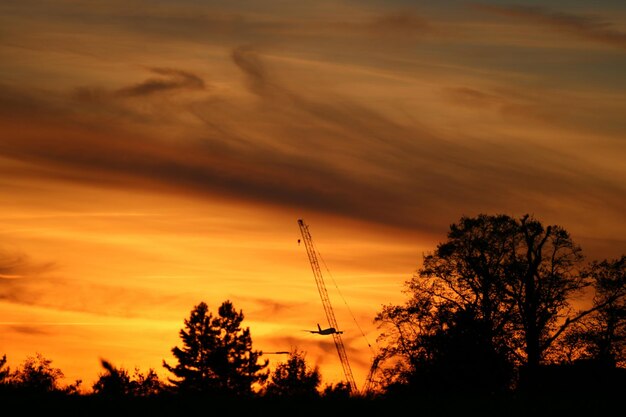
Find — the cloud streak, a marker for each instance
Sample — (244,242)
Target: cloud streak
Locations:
(14,266)
(306,151)
(173,79)
(29,283)
(591,28)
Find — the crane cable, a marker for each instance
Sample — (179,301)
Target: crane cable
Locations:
(344,301)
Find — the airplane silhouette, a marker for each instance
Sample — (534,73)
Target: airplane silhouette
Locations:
(330,330)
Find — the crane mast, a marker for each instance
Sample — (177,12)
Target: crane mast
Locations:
(369,382)
(328,309)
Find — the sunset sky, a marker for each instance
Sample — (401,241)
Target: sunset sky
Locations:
(155,154)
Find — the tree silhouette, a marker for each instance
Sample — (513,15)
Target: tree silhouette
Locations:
(294,378)
(5,371)
(113,382)
(117,382)
(38,376)
(217,355)
(338,391)
(543,278)
(511,279)
(5,375)
(609,343)
(449,352)
(148,384)
(601,336)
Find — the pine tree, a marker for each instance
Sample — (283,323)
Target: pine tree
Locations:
(217,355)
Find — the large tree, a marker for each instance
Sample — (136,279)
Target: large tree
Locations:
(510,280)
(216,355)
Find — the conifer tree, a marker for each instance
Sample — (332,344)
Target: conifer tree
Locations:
(216,354)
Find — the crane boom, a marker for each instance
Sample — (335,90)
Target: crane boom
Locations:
(328,309)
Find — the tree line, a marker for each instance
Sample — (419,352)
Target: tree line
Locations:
(216,358)
(497,308)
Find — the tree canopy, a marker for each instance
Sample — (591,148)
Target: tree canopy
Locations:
(495,297)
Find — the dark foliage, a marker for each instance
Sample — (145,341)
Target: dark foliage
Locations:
(294,379)
(217,355)
(492,304)
(117,382)
(5,371)
(601,336)
(337,392)
(35,376)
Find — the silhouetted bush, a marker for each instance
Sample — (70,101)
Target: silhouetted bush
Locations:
(117,382)
(294,379)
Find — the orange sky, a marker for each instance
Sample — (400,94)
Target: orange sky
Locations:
(157,154)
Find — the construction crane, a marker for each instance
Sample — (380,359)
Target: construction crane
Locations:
(369,381)
(328,309)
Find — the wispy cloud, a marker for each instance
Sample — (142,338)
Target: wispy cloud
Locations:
(316,151)
(14,266)
(405,22)
(26,282)
(26,328)
(268,307)
(173,79)
(587,27)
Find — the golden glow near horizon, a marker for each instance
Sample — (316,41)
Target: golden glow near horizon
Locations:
(155,154)
(118,285)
